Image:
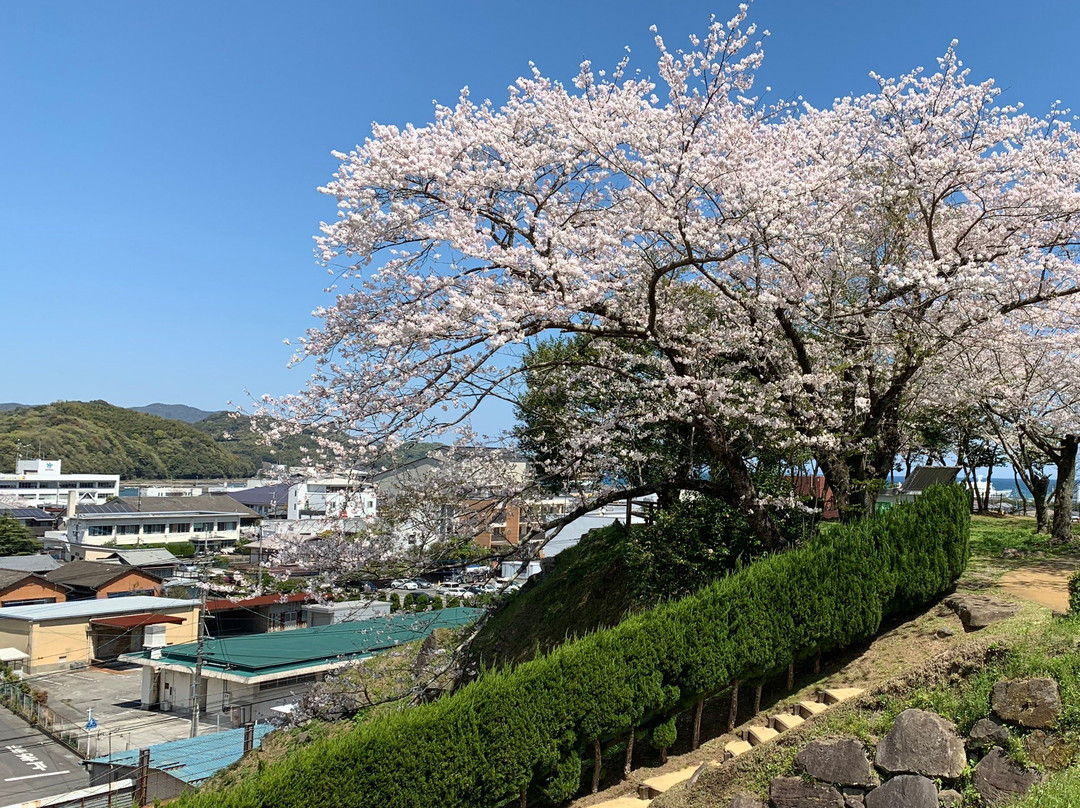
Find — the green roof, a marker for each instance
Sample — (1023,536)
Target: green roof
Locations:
(261,654)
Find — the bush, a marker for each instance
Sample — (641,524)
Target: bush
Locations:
(395,602)
(520,730)
(1074,593)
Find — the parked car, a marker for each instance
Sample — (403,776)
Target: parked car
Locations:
(420,582)
(490,588)
(397,583)
(408,585)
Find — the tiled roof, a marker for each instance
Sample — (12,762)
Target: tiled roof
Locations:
(141,557)
(193,760)
(925,476)
(29,563)
(91,574)
(26,513)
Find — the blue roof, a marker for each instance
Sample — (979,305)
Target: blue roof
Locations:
(193,760)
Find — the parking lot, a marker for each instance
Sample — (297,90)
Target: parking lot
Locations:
(32,765)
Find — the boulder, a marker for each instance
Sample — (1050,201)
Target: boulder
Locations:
(794,792)
(745,801)
(950,798)
(843,762)
(979,611)
(1049,751)
(987,733)
(998,779)
(904,791)
(854,801)
(1031,703)
(922,743)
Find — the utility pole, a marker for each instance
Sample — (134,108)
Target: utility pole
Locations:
(195,680)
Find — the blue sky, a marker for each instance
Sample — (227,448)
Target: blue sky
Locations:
(158,187)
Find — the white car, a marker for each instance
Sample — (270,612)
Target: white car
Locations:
(397,584)
(408,585)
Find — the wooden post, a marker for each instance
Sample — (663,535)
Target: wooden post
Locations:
(142,778)
(596,766)
(697,722)
(791,675)
(249,737)
(629,757)
(757,697)
(733,714)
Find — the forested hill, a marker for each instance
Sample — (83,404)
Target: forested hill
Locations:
(96,437)
(175,412)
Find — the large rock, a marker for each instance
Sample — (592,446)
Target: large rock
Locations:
(1032,703)
(979,611)
(987,733)
(745,801)
(904,791)
(998,779)
(794,792)
(922,743)
(842,762)
(950,798)
(1048,751)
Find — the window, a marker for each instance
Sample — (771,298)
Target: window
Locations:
(7,485)
(69,485)
(127,530)
(180,527)
(131,592)
(203,527)
(86,485)
(226,525)
(101,530)
(27,485)
(155,528)
(288,681)
(104,485)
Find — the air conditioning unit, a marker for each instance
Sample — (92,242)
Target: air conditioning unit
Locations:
(154,636)
(165,705)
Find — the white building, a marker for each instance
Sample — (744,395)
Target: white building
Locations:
(39,482)
(207,530)
(338,497)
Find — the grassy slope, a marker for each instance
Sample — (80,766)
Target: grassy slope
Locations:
(589,588)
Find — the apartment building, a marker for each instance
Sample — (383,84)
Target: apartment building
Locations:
(40,482)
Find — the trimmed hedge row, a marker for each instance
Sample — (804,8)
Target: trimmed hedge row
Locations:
(526,729)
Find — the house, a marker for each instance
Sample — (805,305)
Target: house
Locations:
(256,615)
(330,497)
(95,579)
(58,636)
(345,611)
(269,501)
(204,503)
(34,518)
(19,588)
(179,766)
(39,482)
(29,563)
(155,560)
(246,677)
(922,478)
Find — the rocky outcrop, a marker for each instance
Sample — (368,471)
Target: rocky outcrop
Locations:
(904,791)
(1031,703)
(794,792)
(979,611)
(950,798)
(1049,751)
(841,762)
(922,743)
(998,779)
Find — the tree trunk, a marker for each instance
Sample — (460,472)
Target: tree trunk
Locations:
(697,722)
(757,697)
(817,662)
(523,799)
(597,757)
(1063,494)
(791,676)
(733,713)
(1040,488)
(663,755)
(1020,493)
(988,486)
(629,756)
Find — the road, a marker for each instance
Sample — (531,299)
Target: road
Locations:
(33,765)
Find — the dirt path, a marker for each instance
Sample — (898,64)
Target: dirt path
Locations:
(1043,582)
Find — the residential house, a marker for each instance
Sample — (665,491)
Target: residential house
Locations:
(36,519)
(58,636)
(155,560)
(29,563)
(920,479)
(269,501)
(331,497)
(19,588)
(345,611)
(86,580)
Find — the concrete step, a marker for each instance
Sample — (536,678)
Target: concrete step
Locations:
(838,694)
(808,709)
(655,786)
(736,748)
(782,722)
(623,802)
(759,735)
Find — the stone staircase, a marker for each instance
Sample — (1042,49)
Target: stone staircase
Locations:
(752,736)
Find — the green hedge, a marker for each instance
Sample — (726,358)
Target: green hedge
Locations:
(529,727)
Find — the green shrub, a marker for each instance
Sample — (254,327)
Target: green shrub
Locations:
(521,729)
(1074,593)
(395,602)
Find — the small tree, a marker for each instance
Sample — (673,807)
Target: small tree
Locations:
(409,604)
(395,602)
(16,538)
(663,736)
(437,602)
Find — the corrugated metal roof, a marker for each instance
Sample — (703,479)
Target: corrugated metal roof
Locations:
(260,654)
(153,555)
(925,476)
(193,760)
(29,563)
(93,608)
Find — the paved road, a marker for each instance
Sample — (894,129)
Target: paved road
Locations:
(32,765)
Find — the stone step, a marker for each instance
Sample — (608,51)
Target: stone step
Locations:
(736,748)
(655,786)
(759,735)
(838,694)
(782,722)
(623,802)
(808,709)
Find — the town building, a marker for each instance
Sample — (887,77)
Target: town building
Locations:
(40,482)
(247,677)
(155,560)
(86,580)
(36,519)
(29,563)
(58,636)
(911,489)
(256,615)
(19,588)
(269,501)
(330,497)
(345,611)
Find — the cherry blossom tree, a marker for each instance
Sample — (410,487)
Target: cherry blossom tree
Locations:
(779,276)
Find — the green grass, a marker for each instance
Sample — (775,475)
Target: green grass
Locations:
(992,535)
(1062,790)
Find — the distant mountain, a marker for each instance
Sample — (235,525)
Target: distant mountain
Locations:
(96,437)
(12,406)
(174,412)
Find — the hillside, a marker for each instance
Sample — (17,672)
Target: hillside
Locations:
(96,437)
(233,434)
(175,412)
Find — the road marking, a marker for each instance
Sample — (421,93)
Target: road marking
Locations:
(32,776)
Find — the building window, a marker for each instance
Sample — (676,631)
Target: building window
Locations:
(155,528)
(101,530)
(180,527)
(27,485)
(288,681)
(86,485)
(69,485)
(129,593)
(104,485)
(127,530)
(226,525)
(204,527)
